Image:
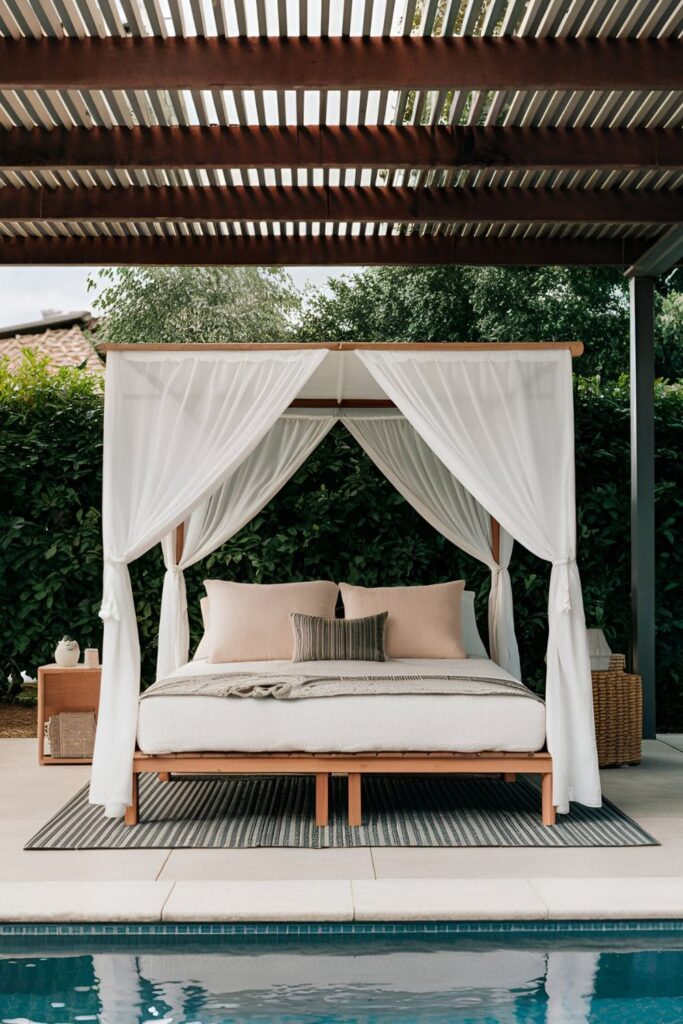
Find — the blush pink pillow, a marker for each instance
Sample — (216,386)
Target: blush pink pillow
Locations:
(250,621)
(423,622)
(203,645)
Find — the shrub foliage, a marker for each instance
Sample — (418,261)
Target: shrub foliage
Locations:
(338,518)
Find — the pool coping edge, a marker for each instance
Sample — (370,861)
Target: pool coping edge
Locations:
(326,901)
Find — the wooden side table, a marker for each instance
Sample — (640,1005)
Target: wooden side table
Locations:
(65,689)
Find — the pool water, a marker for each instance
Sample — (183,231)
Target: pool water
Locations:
(484,977)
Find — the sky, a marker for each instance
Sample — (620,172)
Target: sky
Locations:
(25,292)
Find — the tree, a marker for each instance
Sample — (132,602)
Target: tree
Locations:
(195,304)
(391,304)
(669,335)
(588,304)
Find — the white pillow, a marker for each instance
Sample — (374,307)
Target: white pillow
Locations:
(474,645)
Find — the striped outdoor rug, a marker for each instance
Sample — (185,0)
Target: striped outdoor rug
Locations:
(241,812)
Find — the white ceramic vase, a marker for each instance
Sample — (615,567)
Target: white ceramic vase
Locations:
(67,653)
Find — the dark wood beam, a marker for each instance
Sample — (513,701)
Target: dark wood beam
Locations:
(666,253)
(326,251)
(394,62)
(325,203)
(372,147)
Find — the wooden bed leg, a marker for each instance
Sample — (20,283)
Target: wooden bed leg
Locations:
(548,809)
(509,777)
(131,815)
(355,811)
(322,799)
(164,776)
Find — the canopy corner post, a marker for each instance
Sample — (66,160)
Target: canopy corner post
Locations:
(179,542)
(642,377)
(495,581)
(495,540)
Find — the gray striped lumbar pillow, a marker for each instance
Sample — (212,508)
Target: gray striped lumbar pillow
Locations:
(317,639)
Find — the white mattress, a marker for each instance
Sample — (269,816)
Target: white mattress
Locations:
(344,724)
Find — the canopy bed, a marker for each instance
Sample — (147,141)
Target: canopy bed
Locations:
(477,437)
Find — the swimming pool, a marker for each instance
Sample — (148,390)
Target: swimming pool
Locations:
(343,974)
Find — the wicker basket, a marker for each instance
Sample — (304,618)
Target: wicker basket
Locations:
(618,708)
(72,734)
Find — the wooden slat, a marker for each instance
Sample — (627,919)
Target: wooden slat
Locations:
(575,347)
(346,403)
(145,762)
(345,205)
(376,146)
(343,250)
(314,764)
(405,62)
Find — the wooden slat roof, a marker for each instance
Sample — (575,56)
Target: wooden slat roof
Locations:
(502,131)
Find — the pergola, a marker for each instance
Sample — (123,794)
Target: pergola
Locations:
(510,132)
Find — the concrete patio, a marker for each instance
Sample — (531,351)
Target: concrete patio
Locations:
(375,883)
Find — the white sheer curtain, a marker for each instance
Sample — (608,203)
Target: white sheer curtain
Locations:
(219,517)
(504,647)
(503,424)
(420,476)
(175,425)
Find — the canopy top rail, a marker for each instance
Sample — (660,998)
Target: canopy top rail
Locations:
(574,347)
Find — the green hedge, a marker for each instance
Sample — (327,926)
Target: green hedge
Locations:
(50,550)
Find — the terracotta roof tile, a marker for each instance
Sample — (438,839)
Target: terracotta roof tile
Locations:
(66,347)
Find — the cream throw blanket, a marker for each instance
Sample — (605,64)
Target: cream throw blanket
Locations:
(298,685)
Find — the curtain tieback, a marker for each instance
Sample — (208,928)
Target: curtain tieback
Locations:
(109,608)
(176,574)
(565,600)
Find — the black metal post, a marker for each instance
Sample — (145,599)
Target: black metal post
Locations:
(643,495)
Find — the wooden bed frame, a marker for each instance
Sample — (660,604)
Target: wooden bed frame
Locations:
(354,766)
